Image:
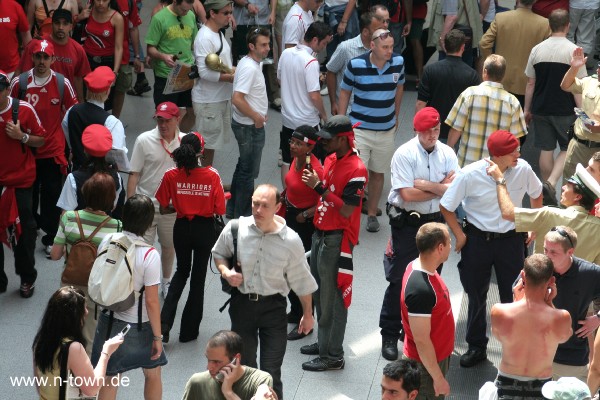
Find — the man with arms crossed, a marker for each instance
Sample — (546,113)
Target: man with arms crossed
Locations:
(235,382)
(529,330)
(427,311)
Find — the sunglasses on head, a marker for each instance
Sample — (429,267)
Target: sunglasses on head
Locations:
(180,22)
(382,36)
(562,233)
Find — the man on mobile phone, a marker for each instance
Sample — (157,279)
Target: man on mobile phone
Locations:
(226,378)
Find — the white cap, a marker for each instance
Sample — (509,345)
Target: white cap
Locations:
(566,389)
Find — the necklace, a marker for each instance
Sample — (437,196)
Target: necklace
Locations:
(35,82)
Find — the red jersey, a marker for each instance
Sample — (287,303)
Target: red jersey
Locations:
(69,59)
(131,19)
(100,37)
(198,194)
(17,164)
(45,99)
(297,193)
(425,295)
(12,22)
(345,177)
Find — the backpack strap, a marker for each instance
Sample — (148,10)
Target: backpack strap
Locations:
(23,77)
(60,81)
(64,358)
(46,8)
(15,116)
(235,223)
(140,307)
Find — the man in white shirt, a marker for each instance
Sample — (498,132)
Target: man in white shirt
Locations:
(250,106)
(297,21)
(211,95)
(298,72)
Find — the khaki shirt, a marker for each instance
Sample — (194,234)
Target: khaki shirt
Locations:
(589,88)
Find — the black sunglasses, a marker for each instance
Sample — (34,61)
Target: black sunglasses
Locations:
(562,233)
(180,23)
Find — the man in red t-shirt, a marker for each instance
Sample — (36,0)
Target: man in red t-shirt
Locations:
(13,22)
(427,312)
(69,57)
(43,94)
(17,172)
(337,223)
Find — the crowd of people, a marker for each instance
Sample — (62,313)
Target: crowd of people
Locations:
(501,77)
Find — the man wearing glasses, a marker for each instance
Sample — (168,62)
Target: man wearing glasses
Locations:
(170,36)
(377,80)
(485,239)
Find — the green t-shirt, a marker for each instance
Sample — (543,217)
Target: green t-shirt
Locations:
(172,35)
(202,386)
(68,231)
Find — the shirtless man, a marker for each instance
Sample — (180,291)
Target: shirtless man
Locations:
(526,360)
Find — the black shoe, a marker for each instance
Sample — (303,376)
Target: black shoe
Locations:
(310,349)
(185,339)
(389,349)
(319,365)
(472,357)
(549,193)
(295,335)
(139,88)
(26,290)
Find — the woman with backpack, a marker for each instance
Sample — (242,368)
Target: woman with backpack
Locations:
(196,194)
(143,344)
(76,232)
(60,335)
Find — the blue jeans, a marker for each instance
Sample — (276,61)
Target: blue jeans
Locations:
(333,16)
(332,315)
(251,141)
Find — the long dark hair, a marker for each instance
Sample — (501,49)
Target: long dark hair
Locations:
(186,155)
(63,319)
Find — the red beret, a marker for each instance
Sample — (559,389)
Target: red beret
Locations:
(425,119)
(97,140)
(100,79)
(43,46)
(167,110)
(501,143)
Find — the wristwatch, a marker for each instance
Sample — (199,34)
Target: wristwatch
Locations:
(501,182)
(25,138)
(305,214)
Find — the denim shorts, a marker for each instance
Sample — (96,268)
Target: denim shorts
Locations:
(135,352)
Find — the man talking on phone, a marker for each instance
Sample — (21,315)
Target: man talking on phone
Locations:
(226,378)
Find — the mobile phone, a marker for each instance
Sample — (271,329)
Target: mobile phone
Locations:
(125,330)
(220,375)
(583,116)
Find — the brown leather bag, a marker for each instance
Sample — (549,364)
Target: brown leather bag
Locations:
(80,259)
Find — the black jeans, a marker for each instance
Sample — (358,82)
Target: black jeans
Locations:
(24,251)
(46,191)
(193,241)
(264,319)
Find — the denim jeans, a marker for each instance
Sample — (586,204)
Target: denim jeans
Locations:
(332,315)
(251,141)
(333,16)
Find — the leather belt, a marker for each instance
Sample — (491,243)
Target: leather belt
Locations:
(327,233)
(587,143)
(258,297)
(422,218)
(472,229)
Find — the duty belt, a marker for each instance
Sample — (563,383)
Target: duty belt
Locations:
(587,143)
(472,229)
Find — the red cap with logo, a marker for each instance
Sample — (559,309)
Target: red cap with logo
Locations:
(167,110)
(100,79)
(43,46)
(97,140)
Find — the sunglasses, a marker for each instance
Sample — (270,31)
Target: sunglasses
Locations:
(382,36)
(180,22)
(562,233)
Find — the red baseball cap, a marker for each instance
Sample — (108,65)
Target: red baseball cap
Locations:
(97,140)
(43,46)
(501,143)
(100,79)
(167,110)
(425,119)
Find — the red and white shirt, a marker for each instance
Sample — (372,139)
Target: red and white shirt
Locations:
(43,95)
(13,21)
(198,194)
(131,19)
(17,164)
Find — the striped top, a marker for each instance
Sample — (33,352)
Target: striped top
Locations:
(68,232)
(374,91)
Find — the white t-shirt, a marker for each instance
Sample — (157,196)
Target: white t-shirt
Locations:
(298,72)
(295,24)
(250,81)
(208,88)
(146,272)
(68,196)
(151,157)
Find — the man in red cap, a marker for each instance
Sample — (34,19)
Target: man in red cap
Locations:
(82,115)
(422,170)
(150,159)
(20,129)
(51,95)
(485,239)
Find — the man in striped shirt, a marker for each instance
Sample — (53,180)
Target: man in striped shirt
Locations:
(377,80)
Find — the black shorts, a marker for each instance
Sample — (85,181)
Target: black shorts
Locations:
(181,99)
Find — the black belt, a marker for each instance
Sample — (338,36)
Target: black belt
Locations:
(587,143)
(415,218)
(260,297)
(472,229)
(327,233)
(530,388)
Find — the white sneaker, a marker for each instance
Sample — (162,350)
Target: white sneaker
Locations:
(324,91)
(165,288)
(47,250)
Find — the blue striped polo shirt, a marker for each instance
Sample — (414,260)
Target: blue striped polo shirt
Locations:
(374,91)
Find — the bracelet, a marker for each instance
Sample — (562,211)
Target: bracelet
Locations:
(320,188)
(105,353)
(158,338)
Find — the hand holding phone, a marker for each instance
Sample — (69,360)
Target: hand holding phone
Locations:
(220,376)
(125,330)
